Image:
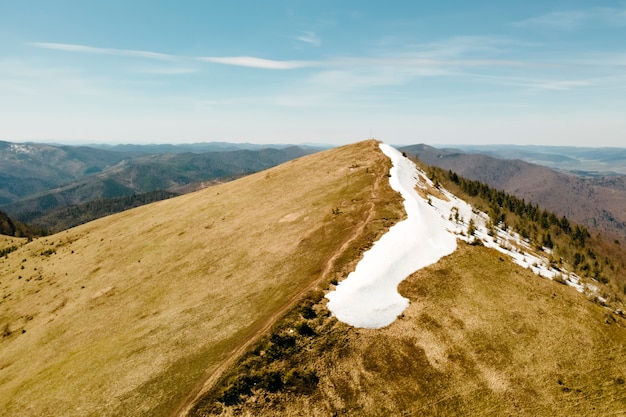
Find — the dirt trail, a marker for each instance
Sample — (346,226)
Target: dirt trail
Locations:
(213,375)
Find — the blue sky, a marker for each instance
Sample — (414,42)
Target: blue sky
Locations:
(449,72)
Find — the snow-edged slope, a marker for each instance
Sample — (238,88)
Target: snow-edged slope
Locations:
(368,297)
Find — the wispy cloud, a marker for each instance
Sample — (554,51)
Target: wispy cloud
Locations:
(242,61)
(571,19)
(68,47)
(467,45)
(255,62)
(464,59)
(310,38)
(167,70)
(534,83)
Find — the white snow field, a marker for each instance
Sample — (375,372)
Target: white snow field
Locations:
(368,297)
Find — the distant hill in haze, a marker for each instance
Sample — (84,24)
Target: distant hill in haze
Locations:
(597,202)
(200,147)
(30,168)
(587,161)
(40,178)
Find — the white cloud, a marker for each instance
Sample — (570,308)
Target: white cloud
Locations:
(560,20)
(103,51)
(571,19)
(534,83)
(310,38)
(254,62)
(463,45)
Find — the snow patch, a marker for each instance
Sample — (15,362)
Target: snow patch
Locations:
(19,148)
(368,297)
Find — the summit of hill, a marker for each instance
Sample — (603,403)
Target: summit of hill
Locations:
(125,314)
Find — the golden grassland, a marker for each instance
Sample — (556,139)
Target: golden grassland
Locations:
(129,314)
(9,244)
(482,336)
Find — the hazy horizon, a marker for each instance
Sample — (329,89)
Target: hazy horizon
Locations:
(312,144)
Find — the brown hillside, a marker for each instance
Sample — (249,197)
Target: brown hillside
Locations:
(130,314)
(481,336)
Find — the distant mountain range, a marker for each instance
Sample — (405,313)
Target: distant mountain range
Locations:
(586,161)
(39,178)
(200,147)
(59,186)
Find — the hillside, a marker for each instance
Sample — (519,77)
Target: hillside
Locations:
(10,227)
(480,335)
(63,218)
(28,168)
(127,314)
(214,303)
(144,174)
(596,202)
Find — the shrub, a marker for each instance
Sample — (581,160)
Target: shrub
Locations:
(5,252)
(239,388)
(307,312)
(303,382)
(280,346)
(471,227)
(304,329)
(271,381)
(314,296)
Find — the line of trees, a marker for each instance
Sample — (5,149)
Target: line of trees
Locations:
(529,214)
(567,241)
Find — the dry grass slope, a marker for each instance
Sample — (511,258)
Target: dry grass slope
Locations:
(481,336)
(126,315)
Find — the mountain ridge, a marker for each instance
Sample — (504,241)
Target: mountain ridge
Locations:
(352,371)
(118,288)
(138,313)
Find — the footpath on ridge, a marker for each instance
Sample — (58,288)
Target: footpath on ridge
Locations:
(213,375)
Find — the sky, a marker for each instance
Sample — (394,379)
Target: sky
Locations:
(334,72)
